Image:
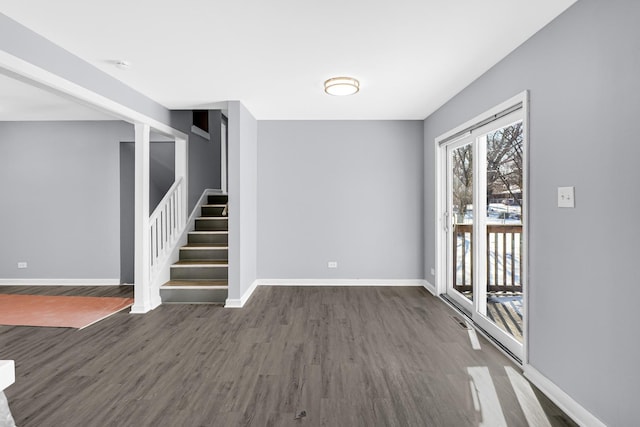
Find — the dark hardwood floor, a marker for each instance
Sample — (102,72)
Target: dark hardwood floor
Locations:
(348,356)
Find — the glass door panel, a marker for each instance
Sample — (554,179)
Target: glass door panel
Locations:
(460,200)
(502,221)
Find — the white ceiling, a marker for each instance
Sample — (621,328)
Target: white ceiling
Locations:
(410,56)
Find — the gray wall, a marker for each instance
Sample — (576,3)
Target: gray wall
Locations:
(60,199)
(161,178)
(204,155)
(582,72)
(25,44)
(345,191)
(243,199)
(162,165)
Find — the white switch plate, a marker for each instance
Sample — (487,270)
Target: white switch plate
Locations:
(332,264)
(566,197)
(433,271)
(22,264)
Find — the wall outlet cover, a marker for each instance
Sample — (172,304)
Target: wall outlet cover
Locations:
(22,264)
(332,264)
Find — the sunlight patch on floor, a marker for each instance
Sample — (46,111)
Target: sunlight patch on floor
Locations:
(529,403)
(485,397)
(6,420)
(473,337)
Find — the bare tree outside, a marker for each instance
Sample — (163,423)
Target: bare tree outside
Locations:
(504,164)
(504,171)
(462,185)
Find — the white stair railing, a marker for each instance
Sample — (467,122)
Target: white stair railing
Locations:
(166,224)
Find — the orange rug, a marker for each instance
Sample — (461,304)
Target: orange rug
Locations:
(58,311)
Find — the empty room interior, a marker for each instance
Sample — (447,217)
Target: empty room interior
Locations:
(335,214)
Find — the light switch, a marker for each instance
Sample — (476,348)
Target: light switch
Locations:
(566,197)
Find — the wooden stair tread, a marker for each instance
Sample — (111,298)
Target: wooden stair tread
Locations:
(196,284)
(204,246)
(214,206)
(212,217)
(209,232)
(201,263)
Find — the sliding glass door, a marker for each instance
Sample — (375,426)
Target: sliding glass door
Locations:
(483,226)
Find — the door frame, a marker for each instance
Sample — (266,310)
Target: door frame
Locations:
(458,133)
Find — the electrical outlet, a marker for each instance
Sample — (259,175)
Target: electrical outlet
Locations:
(433,271)
(332,264)
(22,264)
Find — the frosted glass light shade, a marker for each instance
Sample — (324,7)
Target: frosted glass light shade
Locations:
(341,86)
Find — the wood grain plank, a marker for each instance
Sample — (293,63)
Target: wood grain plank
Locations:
(362,356)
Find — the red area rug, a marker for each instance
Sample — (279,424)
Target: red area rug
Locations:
(58,311)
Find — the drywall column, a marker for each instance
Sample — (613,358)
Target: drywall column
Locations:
(142,282)
(243,200)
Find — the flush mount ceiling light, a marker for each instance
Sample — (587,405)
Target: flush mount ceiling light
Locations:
(341,86)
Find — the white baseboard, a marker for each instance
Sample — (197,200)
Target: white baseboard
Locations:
(431,288)
(341,282)
(59,282)
(140,309)
(239,303)
(156,301)
(570,407)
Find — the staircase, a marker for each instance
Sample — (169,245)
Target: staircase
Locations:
(200,276)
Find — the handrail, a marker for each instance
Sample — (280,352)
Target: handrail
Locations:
(166,223)
(167,195)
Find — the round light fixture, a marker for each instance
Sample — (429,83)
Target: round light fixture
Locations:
(341,86)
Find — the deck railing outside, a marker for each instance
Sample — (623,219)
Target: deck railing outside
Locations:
(504,249)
